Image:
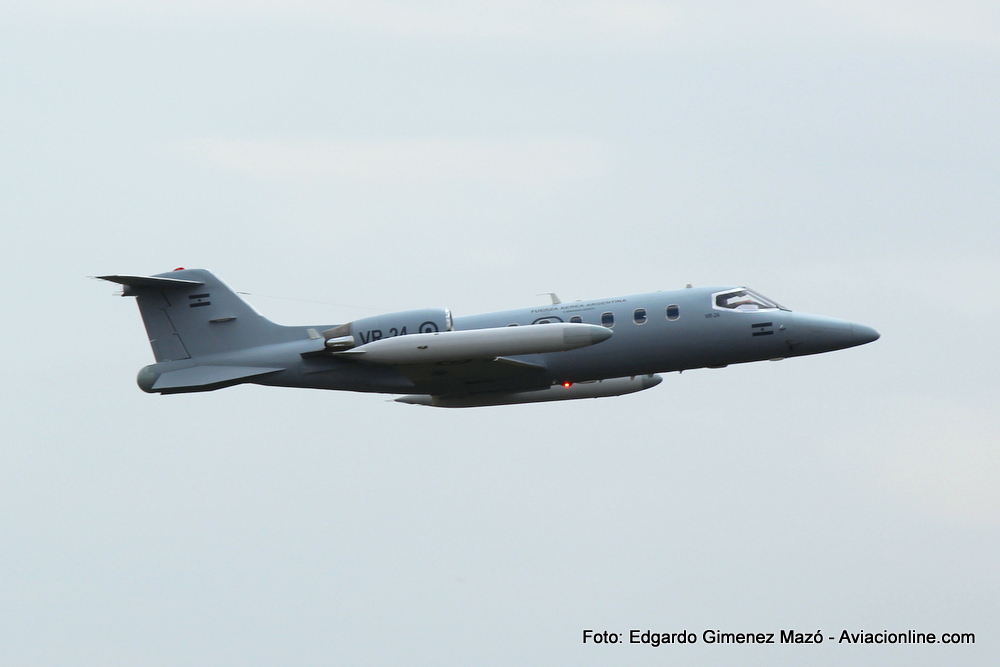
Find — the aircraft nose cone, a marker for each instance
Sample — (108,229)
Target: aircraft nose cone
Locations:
(812,334)
(862,334)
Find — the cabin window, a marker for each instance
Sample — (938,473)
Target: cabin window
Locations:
(639,316)
(576,319)
(543,321)
(608,320)
(673,312)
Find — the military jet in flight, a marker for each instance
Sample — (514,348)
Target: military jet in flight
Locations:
(205,337)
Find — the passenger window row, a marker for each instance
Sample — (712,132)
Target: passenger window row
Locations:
(608,318)
(639,316)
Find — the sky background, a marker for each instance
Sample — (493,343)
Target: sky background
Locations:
(335,160)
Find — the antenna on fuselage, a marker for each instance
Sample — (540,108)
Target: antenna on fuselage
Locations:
(551,295)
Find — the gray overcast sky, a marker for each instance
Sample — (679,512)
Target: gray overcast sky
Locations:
(840,157)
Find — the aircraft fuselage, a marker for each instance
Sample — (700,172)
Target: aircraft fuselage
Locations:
(205,337)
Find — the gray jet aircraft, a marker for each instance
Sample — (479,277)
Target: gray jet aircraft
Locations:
(205,337)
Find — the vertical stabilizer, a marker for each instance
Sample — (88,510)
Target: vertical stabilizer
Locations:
(191,313)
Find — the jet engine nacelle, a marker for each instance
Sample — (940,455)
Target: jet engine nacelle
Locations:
(377,327)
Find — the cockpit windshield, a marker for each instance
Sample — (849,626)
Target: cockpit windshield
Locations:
(744,301)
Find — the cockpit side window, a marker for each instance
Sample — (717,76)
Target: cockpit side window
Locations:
(742,301)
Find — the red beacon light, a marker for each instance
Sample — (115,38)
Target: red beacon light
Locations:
(567,384)
(179,268)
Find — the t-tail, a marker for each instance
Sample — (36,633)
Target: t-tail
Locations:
(194,318)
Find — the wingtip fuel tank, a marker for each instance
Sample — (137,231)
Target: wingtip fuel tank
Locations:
(558,392)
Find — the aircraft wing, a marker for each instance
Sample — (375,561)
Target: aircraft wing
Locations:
(473,376)
(469,361)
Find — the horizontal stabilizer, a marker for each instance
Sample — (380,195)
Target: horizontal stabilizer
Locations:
(204,376)
(150,281)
